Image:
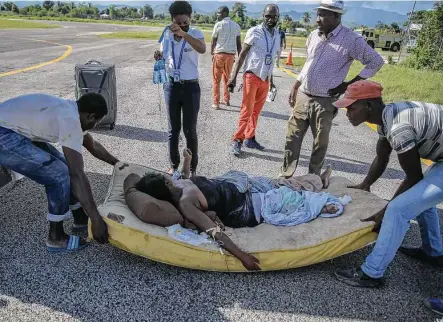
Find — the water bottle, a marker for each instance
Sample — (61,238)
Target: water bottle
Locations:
(156,75)
(271,94)
(163,77)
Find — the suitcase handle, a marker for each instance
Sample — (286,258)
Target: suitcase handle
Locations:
(93,62)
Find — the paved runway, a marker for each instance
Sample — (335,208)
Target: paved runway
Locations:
(103,283)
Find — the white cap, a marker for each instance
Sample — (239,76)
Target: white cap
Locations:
(332,5)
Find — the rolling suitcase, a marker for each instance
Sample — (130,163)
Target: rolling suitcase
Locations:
(97,77)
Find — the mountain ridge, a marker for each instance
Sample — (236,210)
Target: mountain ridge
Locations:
(358,12)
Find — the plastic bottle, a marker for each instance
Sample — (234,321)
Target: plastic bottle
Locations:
(156,75)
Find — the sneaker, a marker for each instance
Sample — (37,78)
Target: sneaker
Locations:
(236,147)
(253,144)
(419,253)
(356,277)
(435,305)
(227,103)
(215,106)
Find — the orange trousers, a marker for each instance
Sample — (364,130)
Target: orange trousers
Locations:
(255,92)
(221,68)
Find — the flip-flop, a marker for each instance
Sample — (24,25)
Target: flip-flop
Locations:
(72,246)
(435,305)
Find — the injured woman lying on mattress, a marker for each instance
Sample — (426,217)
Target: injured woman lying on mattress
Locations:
(237,200)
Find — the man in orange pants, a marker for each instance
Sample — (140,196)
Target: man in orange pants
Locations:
(259,53)
(225,43)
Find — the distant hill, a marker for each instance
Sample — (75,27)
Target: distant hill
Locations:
(358,12)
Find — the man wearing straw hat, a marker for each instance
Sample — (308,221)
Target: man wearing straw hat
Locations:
(331,49)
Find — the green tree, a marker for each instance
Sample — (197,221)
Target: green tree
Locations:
(148,12)
(296,24)
(382,26)
(47,5)
(395,27)
(112,12)
(417,17)
(160,16)
(307,18)
(238,13)
(15,8)
(8,5)
(429,50)
(286,23)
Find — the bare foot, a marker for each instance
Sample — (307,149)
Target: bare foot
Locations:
(187,154)
(325,176)
(186,169)
(170,171)
(59,241)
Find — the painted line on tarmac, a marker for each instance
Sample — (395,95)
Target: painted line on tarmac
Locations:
(371,126)
(56,60)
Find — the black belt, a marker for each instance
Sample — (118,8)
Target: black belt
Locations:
(183,81)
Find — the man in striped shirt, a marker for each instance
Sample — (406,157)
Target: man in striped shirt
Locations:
(225,43)
(414,130)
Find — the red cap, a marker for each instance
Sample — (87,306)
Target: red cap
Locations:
(360,90)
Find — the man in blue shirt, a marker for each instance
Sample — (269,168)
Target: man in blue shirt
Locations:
(282,46)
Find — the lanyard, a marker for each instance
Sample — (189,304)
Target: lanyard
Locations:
(267,43)
(177,66)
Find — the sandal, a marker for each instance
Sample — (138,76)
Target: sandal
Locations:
(72,245)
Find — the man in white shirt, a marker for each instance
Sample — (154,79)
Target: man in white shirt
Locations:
(28,124)
(181,46)
(258,53)
(225,43)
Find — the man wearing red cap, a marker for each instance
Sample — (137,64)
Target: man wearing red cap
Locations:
(414,130)
(331,49)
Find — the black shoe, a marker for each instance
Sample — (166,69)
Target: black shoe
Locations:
(420,254)
(356,277)
(253,144)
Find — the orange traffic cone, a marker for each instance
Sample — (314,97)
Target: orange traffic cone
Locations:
(289,60)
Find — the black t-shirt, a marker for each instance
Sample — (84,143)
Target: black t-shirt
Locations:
(233,208)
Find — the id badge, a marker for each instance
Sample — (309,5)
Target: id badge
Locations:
(176,76)
(268,60)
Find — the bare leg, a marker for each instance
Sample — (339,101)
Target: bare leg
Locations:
(325,176)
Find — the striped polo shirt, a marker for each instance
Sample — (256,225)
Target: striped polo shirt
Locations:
(414,124)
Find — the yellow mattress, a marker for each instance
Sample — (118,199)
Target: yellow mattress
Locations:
(276,247)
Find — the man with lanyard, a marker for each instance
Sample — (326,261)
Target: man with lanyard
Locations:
(181,45)
(258,53)
(282,46)
(225,43)
(331,49)
(413,130)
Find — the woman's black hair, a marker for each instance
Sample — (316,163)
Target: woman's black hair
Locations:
(154,184)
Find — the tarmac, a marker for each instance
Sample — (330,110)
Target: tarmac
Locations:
(103,283)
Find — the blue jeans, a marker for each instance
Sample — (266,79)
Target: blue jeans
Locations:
(42,163)
(184,97)
(417,202)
